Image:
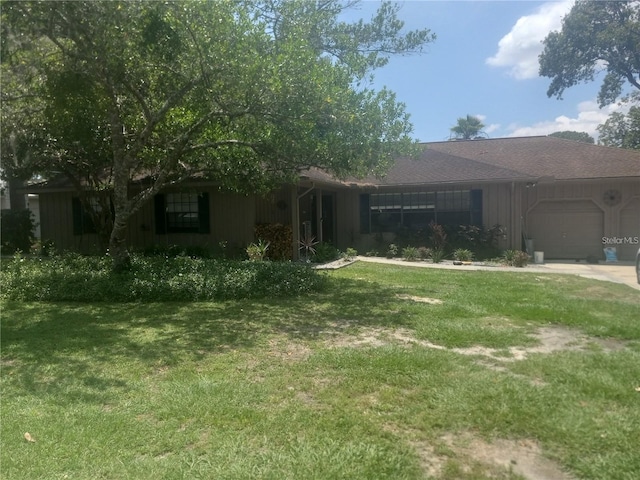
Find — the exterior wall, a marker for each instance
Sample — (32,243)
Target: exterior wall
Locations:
(498,208)
(620,218)
(232,220)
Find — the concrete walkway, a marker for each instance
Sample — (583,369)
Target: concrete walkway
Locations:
(621,272)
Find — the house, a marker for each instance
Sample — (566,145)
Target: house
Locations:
(569,199)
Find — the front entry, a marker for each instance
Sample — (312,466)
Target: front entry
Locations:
(323,218)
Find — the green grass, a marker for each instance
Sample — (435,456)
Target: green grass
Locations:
(317,387)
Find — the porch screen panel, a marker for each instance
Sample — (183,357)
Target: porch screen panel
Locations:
(365,219)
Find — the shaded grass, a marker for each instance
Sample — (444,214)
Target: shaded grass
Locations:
(261,389)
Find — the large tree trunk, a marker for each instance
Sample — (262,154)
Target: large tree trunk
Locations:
(118,244)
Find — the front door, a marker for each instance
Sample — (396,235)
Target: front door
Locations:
(326,223)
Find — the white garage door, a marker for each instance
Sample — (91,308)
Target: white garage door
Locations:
(567,229)
(629,230)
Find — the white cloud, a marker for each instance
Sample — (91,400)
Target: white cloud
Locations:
(587,119)
(519,49)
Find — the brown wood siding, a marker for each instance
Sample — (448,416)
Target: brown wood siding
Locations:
(274,207)
(616,217)
(232,220)
(56,225)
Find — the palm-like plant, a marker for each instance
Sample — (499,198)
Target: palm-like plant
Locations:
(468,128)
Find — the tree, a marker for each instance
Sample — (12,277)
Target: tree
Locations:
(621,130)
(468,128)
(244,93)
(575,136)
(595,35)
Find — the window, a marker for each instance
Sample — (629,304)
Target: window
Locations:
(385,212)
(182,212)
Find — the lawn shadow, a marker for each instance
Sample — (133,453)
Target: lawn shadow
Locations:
(66,349)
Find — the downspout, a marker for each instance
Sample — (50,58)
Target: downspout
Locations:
(296,220)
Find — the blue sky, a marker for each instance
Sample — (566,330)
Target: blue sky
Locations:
(484,63)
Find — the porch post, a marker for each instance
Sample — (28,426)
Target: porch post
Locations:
(318,193)
(295,222)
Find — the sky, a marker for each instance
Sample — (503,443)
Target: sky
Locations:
(484,62)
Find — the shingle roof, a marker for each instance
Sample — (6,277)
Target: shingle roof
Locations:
(547,156)
(504,159)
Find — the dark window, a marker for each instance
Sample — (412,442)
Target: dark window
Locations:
(385,212)
(182,212)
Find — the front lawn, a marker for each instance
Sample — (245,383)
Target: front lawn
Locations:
(388,372)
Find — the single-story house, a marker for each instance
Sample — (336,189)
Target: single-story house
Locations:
(570,198)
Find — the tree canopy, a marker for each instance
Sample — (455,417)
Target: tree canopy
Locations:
(244,93)
(621,130)
(573,135)
(467,128)
(595,35)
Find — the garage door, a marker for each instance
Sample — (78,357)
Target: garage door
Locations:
(567,229)
(629,230)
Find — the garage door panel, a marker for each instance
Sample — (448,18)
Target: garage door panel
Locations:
(629,230)
(567,230)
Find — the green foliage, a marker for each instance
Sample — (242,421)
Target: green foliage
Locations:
(349,254)
(468,128)
(438,254)
(463,254)
(392,251)
(279,237)
(575,136)
(178,89)
(516,258)
(173,251)
(76,278)
(324,252)
(17,227)
(622,130)
(257,251)
(483,242)
(410,254)
(424,253)
(594,35)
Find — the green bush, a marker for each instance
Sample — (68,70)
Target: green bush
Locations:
(324,252)
(17,227)
(76,278)
(515,258)
(410,254)
(392,251)
(463,254)
(349,254)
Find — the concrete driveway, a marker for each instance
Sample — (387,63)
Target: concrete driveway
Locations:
(621,272)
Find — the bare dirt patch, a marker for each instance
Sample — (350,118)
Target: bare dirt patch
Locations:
(413,298)
(549,340)
(522,457)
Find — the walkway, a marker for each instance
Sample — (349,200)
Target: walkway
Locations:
(621,272)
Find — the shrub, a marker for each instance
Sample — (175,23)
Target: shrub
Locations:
(515,258)
(324,252)
(17,228)
(76,278)
(257,251)
(463,255)
(437,236)
(392,251)
(438,254)
(410,254)
(424,253)
(349,254)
